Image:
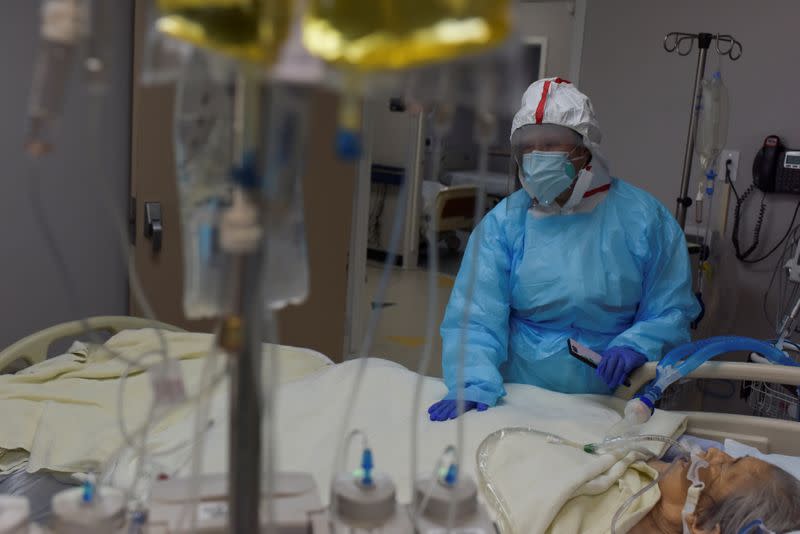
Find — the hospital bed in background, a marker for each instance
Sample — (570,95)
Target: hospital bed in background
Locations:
(452,208)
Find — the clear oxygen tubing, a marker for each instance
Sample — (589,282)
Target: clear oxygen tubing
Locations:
(478,235)
(484,132)
(611,445)
(437,472)
(615,444)
(482,456)
(443,113)
(137,440)
(269,451)
(632,499)
(372,324)
(628,444)
(201,423)
(427,349)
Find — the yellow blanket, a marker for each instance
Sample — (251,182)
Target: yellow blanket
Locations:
(61,415)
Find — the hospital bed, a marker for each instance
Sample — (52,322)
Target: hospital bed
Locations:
(767,435)
(34,348)
(450,208)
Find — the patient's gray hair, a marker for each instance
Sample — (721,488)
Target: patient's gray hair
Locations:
(775,500)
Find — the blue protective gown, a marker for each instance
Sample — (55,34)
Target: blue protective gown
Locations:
(618,275)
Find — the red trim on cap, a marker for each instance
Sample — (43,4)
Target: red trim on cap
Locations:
(539,115)
(540,108)
(597,190)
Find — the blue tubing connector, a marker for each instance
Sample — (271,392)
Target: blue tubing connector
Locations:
(88,492)
(451,477)
(367,466)
(348,145)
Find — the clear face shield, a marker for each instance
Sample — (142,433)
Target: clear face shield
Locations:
(549,160)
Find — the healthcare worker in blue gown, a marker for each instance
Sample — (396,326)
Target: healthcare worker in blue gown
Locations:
(573,254)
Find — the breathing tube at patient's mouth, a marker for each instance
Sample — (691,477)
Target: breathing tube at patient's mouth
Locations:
(681,361)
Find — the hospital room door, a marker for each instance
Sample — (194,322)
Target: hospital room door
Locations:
(328,185)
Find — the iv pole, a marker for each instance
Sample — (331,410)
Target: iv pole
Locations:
(675,41)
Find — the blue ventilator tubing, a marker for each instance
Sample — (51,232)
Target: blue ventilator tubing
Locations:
(682,360)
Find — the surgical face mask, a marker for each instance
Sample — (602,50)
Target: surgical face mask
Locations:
(545,175)
(694,491)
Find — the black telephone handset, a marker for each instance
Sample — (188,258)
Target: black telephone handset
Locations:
(775,170)
(765,164)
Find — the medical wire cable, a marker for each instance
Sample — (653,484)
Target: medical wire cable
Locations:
(372,323)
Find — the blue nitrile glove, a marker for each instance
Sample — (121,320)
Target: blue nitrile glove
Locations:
(446,409)
(617,364)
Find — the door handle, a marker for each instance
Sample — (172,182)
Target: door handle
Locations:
(153,229)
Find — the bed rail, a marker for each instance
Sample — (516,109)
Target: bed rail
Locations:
(33,348)
(778,374)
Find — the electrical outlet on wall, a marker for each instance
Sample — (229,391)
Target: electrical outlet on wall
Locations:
(725,155)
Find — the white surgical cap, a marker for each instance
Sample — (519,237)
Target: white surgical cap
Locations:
(557,101)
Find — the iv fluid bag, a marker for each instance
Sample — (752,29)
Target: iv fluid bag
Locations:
(286,265)
(394,34)
(712,125)
(252,30)
(203,155)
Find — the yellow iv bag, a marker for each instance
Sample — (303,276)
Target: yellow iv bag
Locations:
(252,30)
(393,34)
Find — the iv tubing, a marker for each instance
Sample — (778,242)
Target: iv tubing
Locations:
(372,325)
(484,138)
(449,450)
(427,350)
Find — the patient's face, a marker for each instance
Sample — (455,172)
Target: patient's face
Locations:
(723,476)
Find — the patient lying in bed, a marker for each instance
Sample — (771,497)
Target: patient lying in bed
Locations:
(542,483)
(737,493)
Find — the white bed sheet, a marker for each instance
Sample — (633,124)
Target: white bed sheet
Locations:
(310,417)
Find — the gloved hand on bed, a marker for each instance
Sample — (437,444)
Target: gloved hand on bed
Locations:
(447,409)
(617,364)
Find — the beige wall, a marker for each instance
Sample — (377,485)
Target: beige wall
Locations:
(642,96)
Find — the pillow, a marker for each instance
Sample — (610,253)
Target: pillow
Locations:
(790,464)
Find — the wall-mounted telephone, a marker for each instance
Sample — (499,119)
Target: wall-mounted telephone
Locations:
(776,169)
